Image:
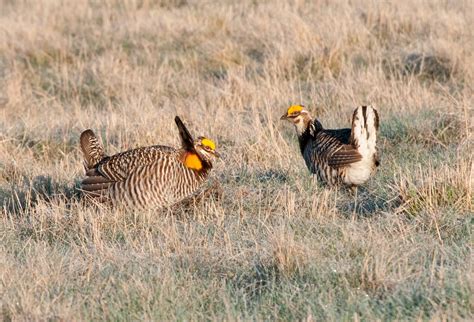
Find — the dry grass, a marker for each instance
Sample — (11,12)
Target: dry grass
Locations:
(273,244)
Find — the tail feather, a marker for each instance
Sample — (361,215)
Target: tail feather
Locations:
(95,185)
(91,148)
(365,123)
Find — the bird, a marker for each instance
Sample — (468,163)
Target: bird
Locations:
(148,177)
(347,156)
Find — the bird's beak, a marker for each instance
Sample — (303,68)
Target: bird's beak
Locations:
(284,117)
(216,154)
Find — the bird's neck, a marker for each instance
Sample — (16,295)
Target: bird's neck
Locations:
(302,124)
(307,131)
(193,161)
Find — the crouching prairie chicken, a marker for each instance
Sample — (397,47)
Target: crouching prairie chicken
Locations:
(342,156)
(148,177)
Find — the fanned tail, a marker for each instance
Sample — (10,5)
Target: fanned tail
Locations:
(94,185)
(365,123)
(91,148)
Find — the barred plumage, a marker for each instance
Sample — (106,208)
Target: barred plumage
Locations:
(148,177)
(347,156)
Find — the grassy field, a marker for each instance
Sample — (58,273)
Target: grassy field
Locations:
(274,244)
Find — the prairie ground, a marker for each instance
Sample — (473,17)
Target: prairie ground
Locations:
(274,244)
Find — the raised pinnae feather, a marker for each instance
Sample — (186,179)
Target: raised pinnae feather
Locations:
(187,140)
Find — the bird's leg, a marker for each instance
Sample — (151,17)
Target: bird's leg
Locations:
(354,191)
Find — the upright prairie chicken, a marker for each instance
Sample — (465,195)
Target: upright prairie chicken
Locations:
(347,156)
(148,177)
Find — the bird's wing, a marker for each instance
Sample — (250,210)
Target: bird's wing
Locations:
(120,166)
(331,146)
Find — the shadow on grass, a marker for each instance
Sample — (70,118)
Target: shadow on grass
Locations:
(255,282)
(271,175)
(366,204)
(20,197)
(250,282)
(213,190)
(244,176)
(424,66)
(24,195)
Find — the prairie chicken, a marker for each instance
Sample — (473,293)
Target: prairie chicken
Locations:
(347,156)
(148,177)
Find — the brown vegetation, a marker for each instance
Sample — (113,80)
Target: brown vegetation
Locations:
(273,244)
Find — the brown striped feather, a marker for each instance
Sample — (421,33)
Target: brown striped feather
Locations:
(91,148)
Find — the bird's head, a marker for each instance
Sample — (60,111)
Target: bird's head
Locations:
(197,153)
(206,148)
(299,116)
